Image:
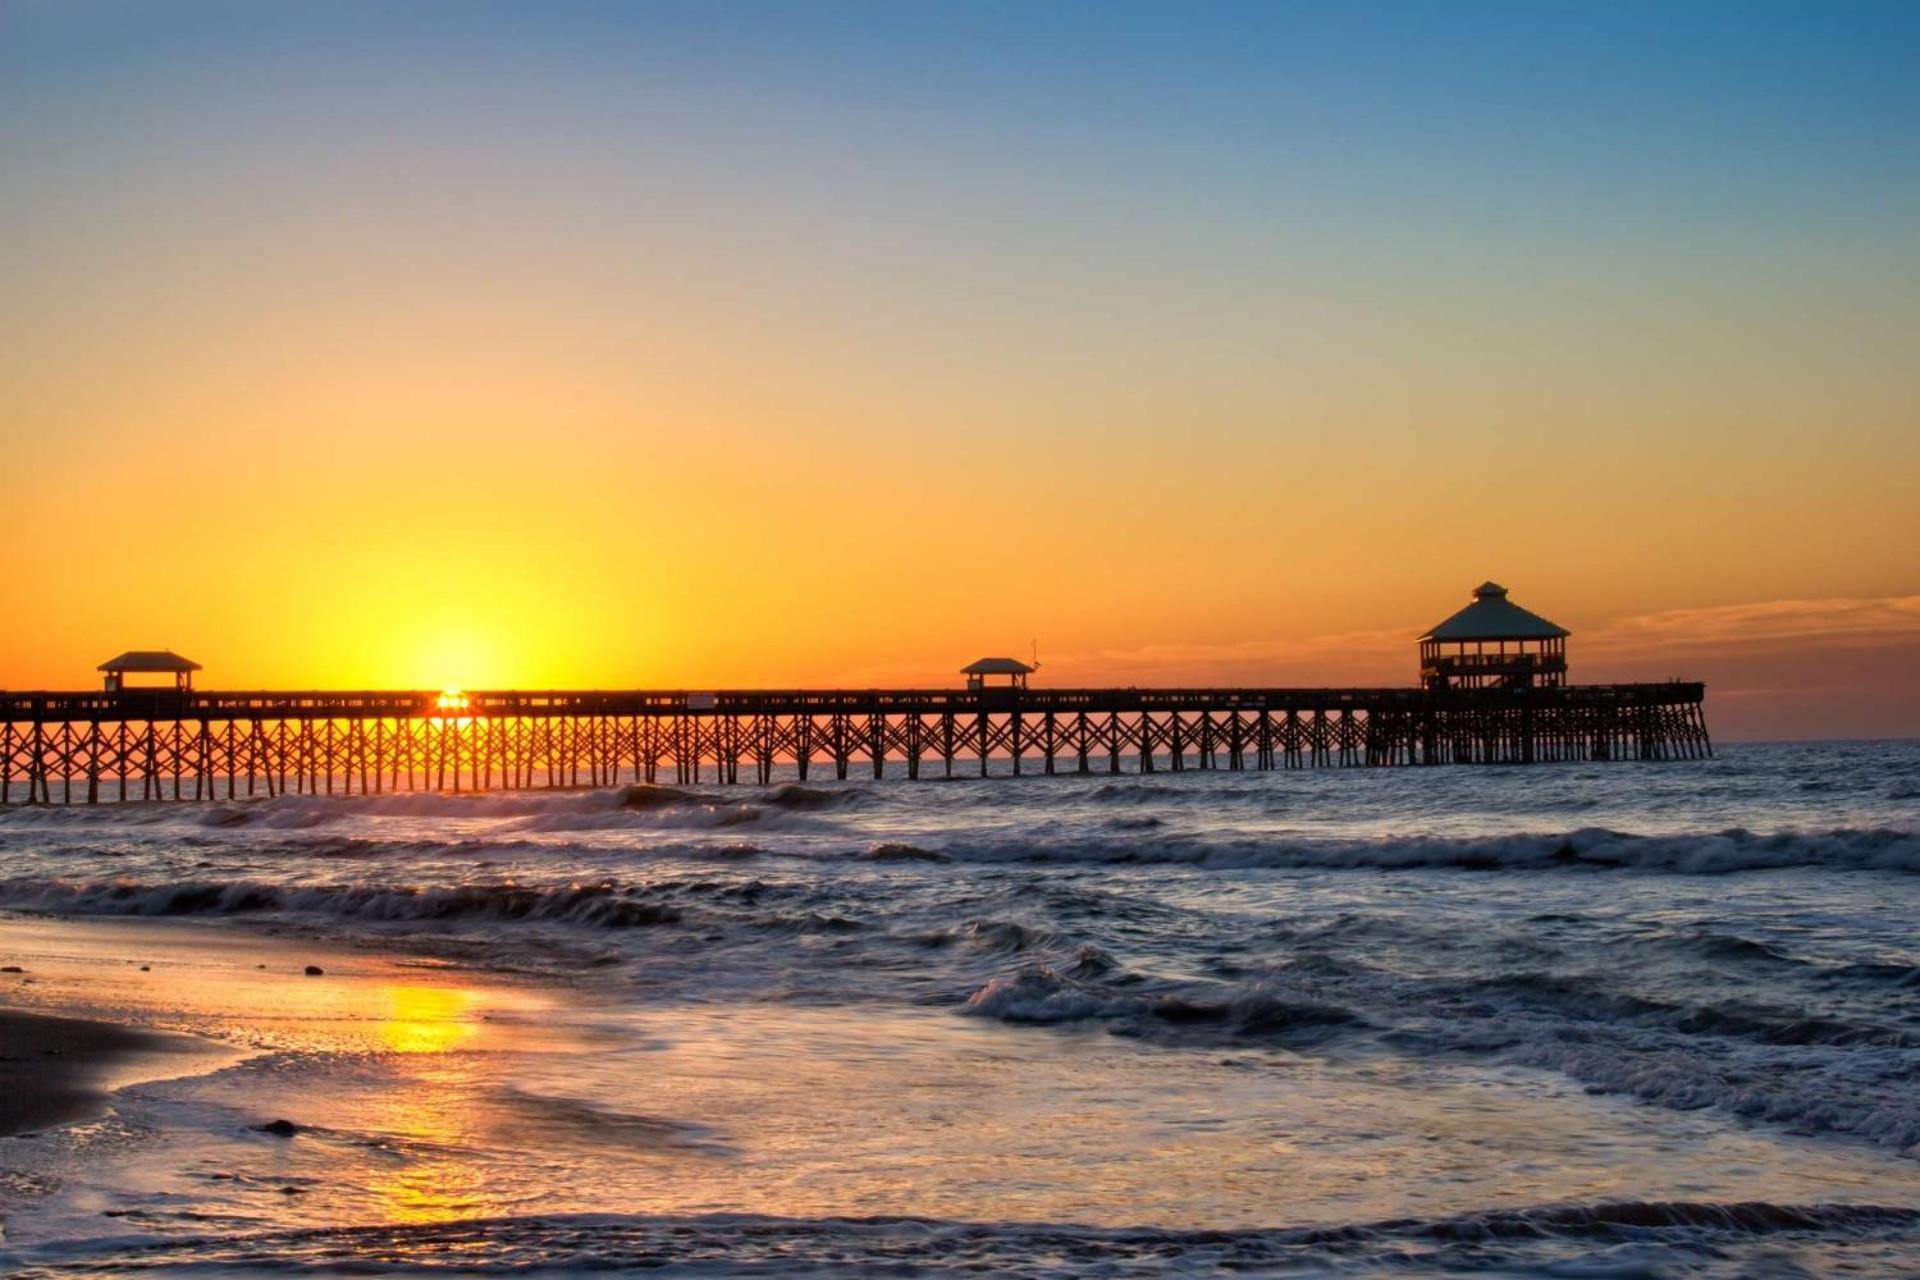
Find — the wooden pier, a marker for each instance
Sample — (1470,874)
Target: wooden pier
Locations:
(183,744)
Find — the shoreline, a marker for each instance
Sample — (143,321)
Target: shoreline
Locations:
(107,1003)
(54,1069)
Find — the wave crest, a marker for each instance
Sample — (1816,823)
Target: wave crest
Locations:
(603,905)
(1044,995)
(1591,849)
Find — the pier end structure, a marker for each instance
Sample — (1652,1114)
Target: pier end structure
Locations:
(1493,643)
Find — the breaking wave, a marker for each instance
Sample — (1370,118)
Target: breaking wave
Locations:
(1087,990)
(1726,852)
(600,905)
(1833,1075)
(637,806)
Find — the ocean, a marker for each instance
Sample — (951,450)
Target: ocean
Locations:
(1580,1020)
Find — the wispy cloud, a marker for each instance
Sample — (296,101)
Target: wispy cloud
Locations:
(1770,623)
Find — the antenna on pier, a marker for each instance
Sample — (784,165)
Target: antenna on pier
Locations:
(1035,646)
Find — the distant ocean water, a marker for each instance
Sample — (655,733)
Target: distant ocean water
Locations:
(1606,1019)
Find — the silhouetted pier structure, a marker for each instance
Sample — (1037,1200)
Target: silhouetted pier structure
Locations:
(180,743)
(156,744)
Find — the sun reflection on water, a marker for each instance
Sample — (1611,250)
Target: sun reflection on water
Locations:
(430,1115)
(426,1019)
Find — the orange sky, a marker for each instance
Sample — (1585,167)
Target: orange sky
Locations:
(331,360)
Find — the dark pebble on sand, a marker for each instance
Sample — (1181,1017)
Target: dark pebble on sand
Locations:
(314,971)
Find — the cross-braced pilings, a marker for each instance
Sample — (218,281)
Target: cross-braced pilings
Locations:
(169,745)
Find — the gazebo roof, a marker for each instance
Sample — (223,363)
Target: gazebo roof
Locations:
(148,660)
(997,667)
(1492,616)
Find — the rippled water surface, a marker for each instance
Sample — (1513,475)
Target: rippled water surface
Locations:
(1619,1019)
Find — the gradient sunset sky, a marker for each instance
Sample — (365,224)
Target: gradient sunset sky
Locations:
(611,345)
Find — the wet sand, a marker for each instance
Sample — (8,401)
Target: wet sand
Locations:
(52,1069)
(91,1008)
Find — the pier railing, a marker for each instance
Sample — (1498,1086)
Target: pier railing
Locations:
(163,743)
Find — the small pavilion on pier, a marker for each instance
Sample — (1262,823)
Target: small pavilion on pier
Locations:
(1014,670)
(1494,644)
(149,662)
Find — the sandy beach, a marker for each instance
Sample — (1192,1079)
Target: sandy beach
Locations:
(79,1021)
(51,1069)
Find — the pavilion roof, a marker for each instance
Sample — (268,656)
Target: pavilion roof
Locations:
(147,660)
(997,667)
(1492,616)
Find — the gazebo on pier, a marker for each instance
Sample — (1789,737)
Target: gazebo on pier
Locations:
(149,662)
(1015,671)
(1494,644)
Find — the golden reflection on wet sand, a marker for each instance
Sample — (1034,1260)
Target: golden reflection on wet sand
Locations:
(430,1112)
(431,1117)
(427,1019)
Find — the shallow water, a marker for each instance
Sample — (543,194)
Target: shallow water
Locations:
(1634,1019)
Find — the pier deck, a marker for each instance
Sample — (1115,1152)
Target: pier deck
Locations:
(151,744)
